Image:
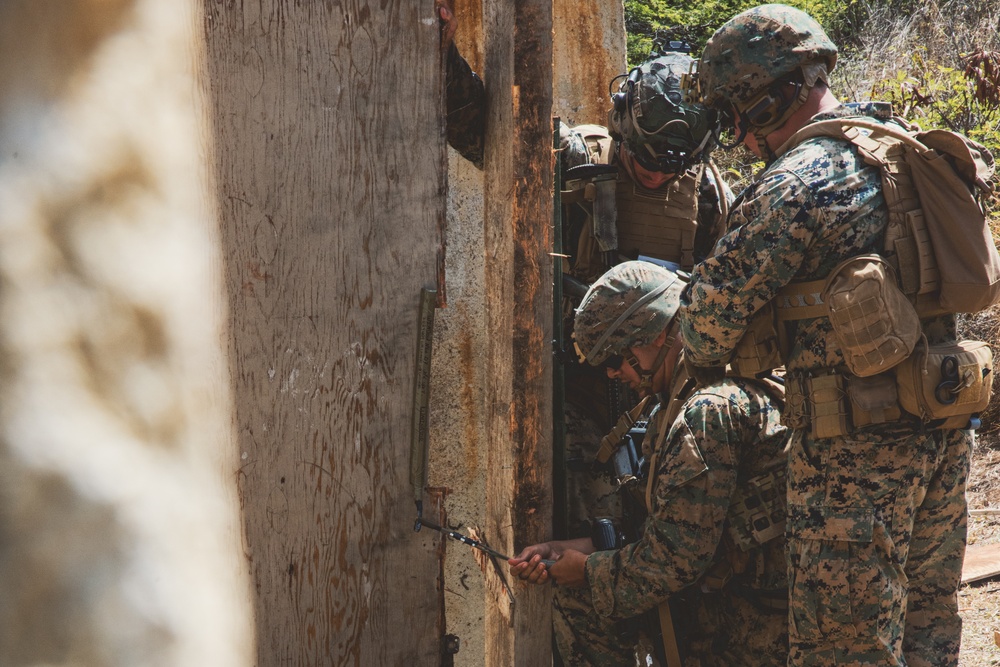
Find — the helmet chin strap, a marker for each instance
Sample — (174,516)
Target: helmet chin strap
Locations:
(646,377)
(781,109)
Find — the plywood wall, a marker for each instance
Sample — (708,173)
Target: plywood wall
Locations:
(331,174)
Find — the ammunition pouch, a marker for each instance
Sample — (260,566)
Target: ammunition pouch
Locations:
(759,350)
(949,382)
(757,511)
(835,403)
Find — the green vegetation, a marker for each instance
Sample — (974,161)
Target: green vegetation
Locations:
(937,61)
(695,20)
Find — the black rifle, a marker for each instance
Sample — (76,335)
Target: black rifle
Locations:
(627,469)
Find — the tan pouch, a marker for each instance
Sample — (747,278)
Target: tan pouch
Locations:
(874,400)
(759,350)
(873,322)
(828,406)
(953,380)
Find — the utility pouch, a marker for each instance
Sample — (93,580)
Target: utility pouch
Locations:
(874,400)
(835,404)
(796,412)
(875,325)
(759,350)
(952,381)
(827,400)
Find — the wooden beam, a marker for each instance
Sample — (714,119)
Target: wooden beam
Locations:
(518,177)
(981,562)
(331,173)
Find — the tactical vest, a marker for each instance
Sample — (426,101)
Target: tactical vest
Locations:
(624,218)
(875,302)
(659,223)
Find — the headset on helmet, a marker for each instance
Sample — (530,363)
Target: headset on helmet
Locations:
(649,114)
(762,63)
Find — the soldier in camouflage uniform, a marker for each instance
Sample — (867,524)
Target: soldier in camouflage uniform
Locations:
(713,541)
(877,514)
(660,154)
(658,195)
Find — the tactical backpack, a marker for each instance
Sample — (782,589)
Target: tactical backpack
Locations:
(938,257)
(938,237)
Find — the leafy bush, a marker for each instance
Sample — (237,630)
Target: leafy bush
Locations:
(694,21)
(964,99)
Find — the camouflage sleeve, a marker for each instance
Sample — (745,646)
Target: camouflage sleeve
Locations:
(466,108)
(770,230)
(695,480)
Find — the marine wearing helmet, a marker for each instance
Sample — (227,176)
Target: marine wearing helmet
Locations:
(630,307)
(822,204)
(762,64)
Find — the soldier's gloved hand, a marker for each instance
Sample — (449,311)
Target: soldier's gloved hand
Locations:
(704,375)
(528,565)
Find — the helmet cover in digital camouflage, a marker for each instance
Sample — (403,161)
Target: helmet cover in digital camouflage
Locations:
(627,306)
(758,48)
(650,116)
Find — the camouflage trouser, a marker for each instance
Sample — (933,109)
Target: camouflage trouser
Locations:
(876,539)
(586,638)
(588,493)
(714,630)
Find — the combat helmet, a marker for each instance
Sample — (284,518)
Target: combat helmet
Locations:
(649,114)
(750,58)
(627,306)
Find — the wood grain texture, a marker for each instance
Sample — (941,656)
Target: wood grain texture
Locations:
(331,173)
(518,205)
(981,561)
(589,51)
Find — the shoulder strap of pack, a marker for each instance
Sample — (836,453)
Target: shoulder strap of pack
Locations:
(611,441)
(847,130)
(720,192)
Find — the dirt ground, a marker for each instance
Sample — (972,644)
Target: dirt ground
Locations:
(979,602)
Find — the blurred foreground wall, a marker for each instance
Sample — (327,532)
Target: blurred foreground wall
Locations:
(119,536)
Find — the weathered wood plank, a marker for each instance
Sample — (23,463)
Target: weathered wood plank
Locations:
(518,204)
(588,51)
(981,561)
(331,174)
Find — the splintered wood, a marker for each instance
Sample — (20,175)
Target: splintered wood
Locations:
(496,577)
